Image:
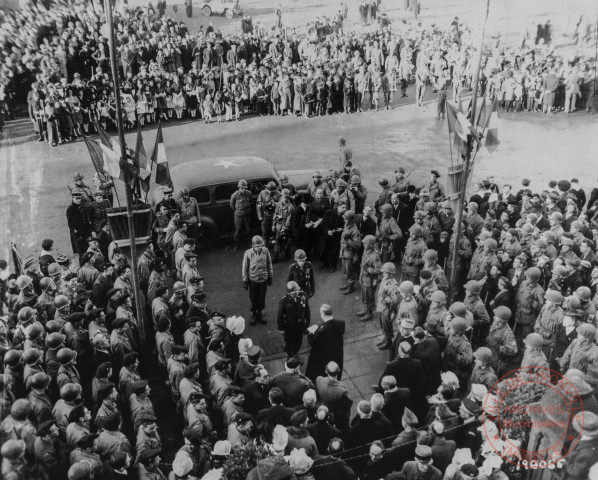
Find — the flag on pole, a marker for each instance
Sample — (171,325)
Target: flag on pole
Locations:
(456,134)
(159,158)
(111,154)
(491,128)
(96,153)
(16,259)
(140,161)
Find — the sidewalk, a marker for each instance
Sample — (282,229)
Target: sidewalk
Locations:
(363,365)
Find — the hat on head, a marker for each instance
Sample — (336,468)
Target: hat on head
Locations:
(586,423)
(458,325)
(423,453)
(469,470)
(435,173)
(472,406)
(409,418)
(502,312)
(534,340)
(587,330)
(484,355)
(554,296)
(474,287)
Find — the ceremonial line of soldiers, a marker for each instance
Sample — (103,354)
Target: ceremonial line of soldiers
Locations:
(75,406)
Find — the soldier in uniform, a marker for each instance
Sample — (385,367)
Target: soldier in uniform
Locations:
(282,225)
(97,211)
(240,203)
(528,303)
(78,222)
(86,196)
(266,204)
(582,353)
(350,246)
(384,195)
(388,234)
(189,210)
(414,251)
(483,373)
(550,317)
(293,318)
(387,302)
(342,195)
(257,276)
(458,355)
(332,225)
(360,193)
(167,200)
(501,341)
(401,184)
(434,188)
(369,277)
(301,271)
(533,357)
(345,152)
(317,183)
(481,320)
(104,183)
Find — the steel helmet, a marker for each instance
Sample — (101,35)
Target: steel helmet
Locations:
(369,241)
(242,183)
(534,340)
(54,269)
(389,267)
(32,355)
(416,231)
(65,356)
(45,283)
(61,301)
(13,449)
(502,312)
(483,354)
(24,281)
(40,380)
(355,179)
(386,209)
(178,287)
(21,409)
(79,471)
(340,183)
(431,255)
(430,207)
(406,288)
(584,293)
(12,357)
(300,254)
(271,186)
(533,274)
(438,296)
(26,314)
(458,324)
(349,216)
(55,340)
(53,326)
(587,330)
(70,392)
(419,215)
(257,241)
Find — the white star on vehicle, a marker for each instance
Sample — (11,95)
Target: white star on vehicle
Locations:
(226,164)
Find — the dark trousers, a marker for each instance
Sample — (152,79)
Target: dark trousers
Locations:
(257,295)
(242,227)
(293,340)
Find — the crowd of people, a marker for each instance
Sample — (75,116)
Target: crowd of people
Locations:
(76,406)
(167,72)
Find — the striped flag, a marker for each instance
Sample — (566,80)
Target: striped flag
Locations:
(16,259)
(491,140)
(140,161)
(111,154)
(159,158)
(96,153)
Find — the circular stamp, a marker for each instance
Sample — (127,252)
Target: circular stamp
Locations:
(533,408)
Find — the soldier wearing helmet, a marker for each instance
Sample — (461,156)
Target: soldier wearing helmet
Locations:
(483,260)
(301,271)
(342,194)
(550,316)
(17,427)
(388,234)
(332,224)
(282,225)
(481,319)
(401,184)
(315,183)
(45,302)
(458,355)
(387,303)
(27,296)
(266,204)
(360,193)
(294,317)
(240,203)
(77,217)
(67,373)
(413,258)
(501,341)
(350,247)
(257,275)
(528,303)
(431,225)
(13,458)
(369,277)
(285,184)
(483,373)
(533,356)
(383,196)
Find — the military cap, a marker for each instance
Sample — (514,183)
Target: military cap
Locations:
(76,193)
(435,173)
(62,260)
(199,297)
(423,453)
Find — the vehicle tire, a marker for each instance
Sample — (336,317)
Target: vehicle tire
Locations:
(209,233)
(228,13)
(207,11)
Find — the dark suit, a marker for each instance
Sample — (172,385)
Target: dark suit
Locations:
(335,396)
(410,374)
(330,468)
(256,397)
(358,438)
(326,346)
(442,452)
(428,352)
(322,432)
(275,415)
(293,386)
(411,471)
(100,291)
(394,406)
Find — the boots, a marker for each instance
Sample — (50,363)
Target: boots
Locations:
(343,288)
(253,319)
(385,345)
(381,341)
(368,316)
(350,289)
(362,312)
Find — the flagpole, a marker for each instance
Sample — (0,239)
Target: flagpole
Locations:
(129,193)
(467,164)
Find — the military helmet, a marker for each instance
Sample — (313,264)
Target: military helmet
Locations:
(438,296)
(55,340)
(20,409)
(349,216)
(369,241)
(257,241)
(13,449)
(65,356)
(61,301)
(271,186)
(484,355)
(178,287)
(45,283)
(13,357)
(242,183)
(386,209)
(32,355)
(40,380)
(26,314)
(341,183)
(285,192)
(70,392)
(80,470)
(300,254)
(534,340)
(23,281)
(389,267)
(355,179)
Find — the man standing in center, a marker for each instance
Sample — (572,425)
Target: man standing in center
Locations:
(369,277)
(326,342)
(240,202)
(350,244)
(293,318)
(257,275)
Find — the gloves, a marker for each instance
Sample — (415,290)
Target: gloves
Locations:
(269,281)
(246,285)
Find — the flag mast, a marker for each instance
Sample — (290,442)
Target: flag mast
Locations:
(128,188)
(467,163)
